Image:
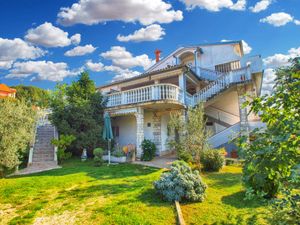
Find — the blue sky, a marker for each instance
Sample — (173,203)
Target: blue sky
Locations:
(34,42)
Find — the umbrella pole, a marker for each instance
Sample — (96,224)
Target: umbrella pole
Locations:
(109,145)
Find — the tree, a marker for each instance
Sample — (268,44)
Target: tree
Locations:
(272,157)
(78,111)
(33,95)
(16,131)
(191,137)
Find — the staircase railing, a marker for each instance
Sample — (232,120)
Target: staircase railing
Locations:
(233,77)
(231,133)
(206,74)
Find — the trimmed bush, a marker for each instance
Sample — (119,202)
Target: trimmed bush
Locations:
(181,184)
(149,150)
(212,160)
(98,153)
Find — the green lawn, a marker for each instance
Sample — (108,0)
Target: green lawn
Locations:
(80,193)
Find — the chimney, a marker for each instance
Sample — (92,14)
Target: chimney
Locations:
(157,54)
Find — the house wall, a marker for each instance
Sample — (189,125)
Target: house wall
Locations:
(148,131)
(212,55)
(127,129)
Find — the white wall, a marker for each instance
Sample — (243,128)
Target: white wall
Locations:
(148,131)
(164,132)
(127,129)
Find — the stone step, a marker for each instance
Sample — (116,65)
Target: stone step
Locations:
(43,160)
(43,151)
(43,157)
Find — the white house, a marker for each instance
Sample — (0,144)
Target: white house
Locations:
(217,74)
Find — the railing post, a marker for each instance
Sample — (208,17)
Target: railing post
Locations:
(153,93)
(123,98)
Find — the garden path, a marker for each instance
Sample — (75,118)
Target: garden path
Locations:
(159,161)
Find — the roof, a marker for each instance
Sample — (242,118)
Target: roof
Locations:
(145,75)
(5,88)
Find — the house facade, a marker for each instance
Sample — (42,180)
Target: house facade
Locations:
(6,91)
(219,75)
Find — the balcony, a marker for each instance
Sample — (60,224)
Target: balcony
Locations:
(170,92)
(156,92)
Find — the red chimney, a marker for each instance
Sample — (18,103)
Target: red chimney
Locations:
(157,54)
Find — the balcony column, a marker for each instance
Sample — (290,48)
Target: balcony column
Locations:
(177,60)
(139,115)
(157,132)
(182,86)
(241,90)
(196,62)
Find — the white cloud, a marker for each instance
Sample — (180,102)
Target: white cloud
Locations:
(152,32)
(44,70)
(240,5)
(268,81)
(272,63)
(96,67)
(246,47)
(122,58)
(75,39)
(277,19)
(261,6)
(278,60)
(297,22)
(48,35)
(215,5)
(12,49)
(120,73)
(98,11)
(80,50)
(6,64)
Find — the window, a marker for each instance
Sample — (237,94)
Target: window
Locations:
(227,67)
(115,131)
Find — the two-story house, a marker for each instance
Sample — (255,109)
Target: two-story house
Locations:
(217,74)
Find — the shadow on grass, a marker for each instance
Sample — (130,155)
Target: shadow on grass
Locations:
(237,200)
(223,180)
(103,172)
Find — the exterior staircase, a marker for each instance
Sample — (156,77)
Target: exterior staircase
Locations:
(43,150)
(222,82)
(42,155)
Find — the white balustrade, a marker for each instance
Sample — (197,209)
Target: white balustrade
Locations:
(145,94)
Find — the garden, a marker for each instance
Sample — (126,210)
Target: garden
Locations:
(262,187)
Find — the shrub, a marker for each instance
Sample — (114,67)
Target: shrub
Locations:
(62,155)
(274,150)
(230,161)
(118,153)
(98,153)
(62,143)
(149,150)
(181,184)
(212,160)
(285,210)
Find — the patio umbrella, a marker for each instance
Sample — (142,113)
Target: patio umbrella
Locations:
(107,132)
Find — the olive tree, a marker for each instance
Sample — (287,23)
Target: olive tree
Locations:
(191,136)
(16,131)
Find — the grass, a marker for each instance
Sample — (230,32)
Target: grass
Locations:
(80,193)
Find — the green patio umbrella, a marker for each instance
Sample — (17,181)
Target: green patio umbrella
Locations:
(107,132)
